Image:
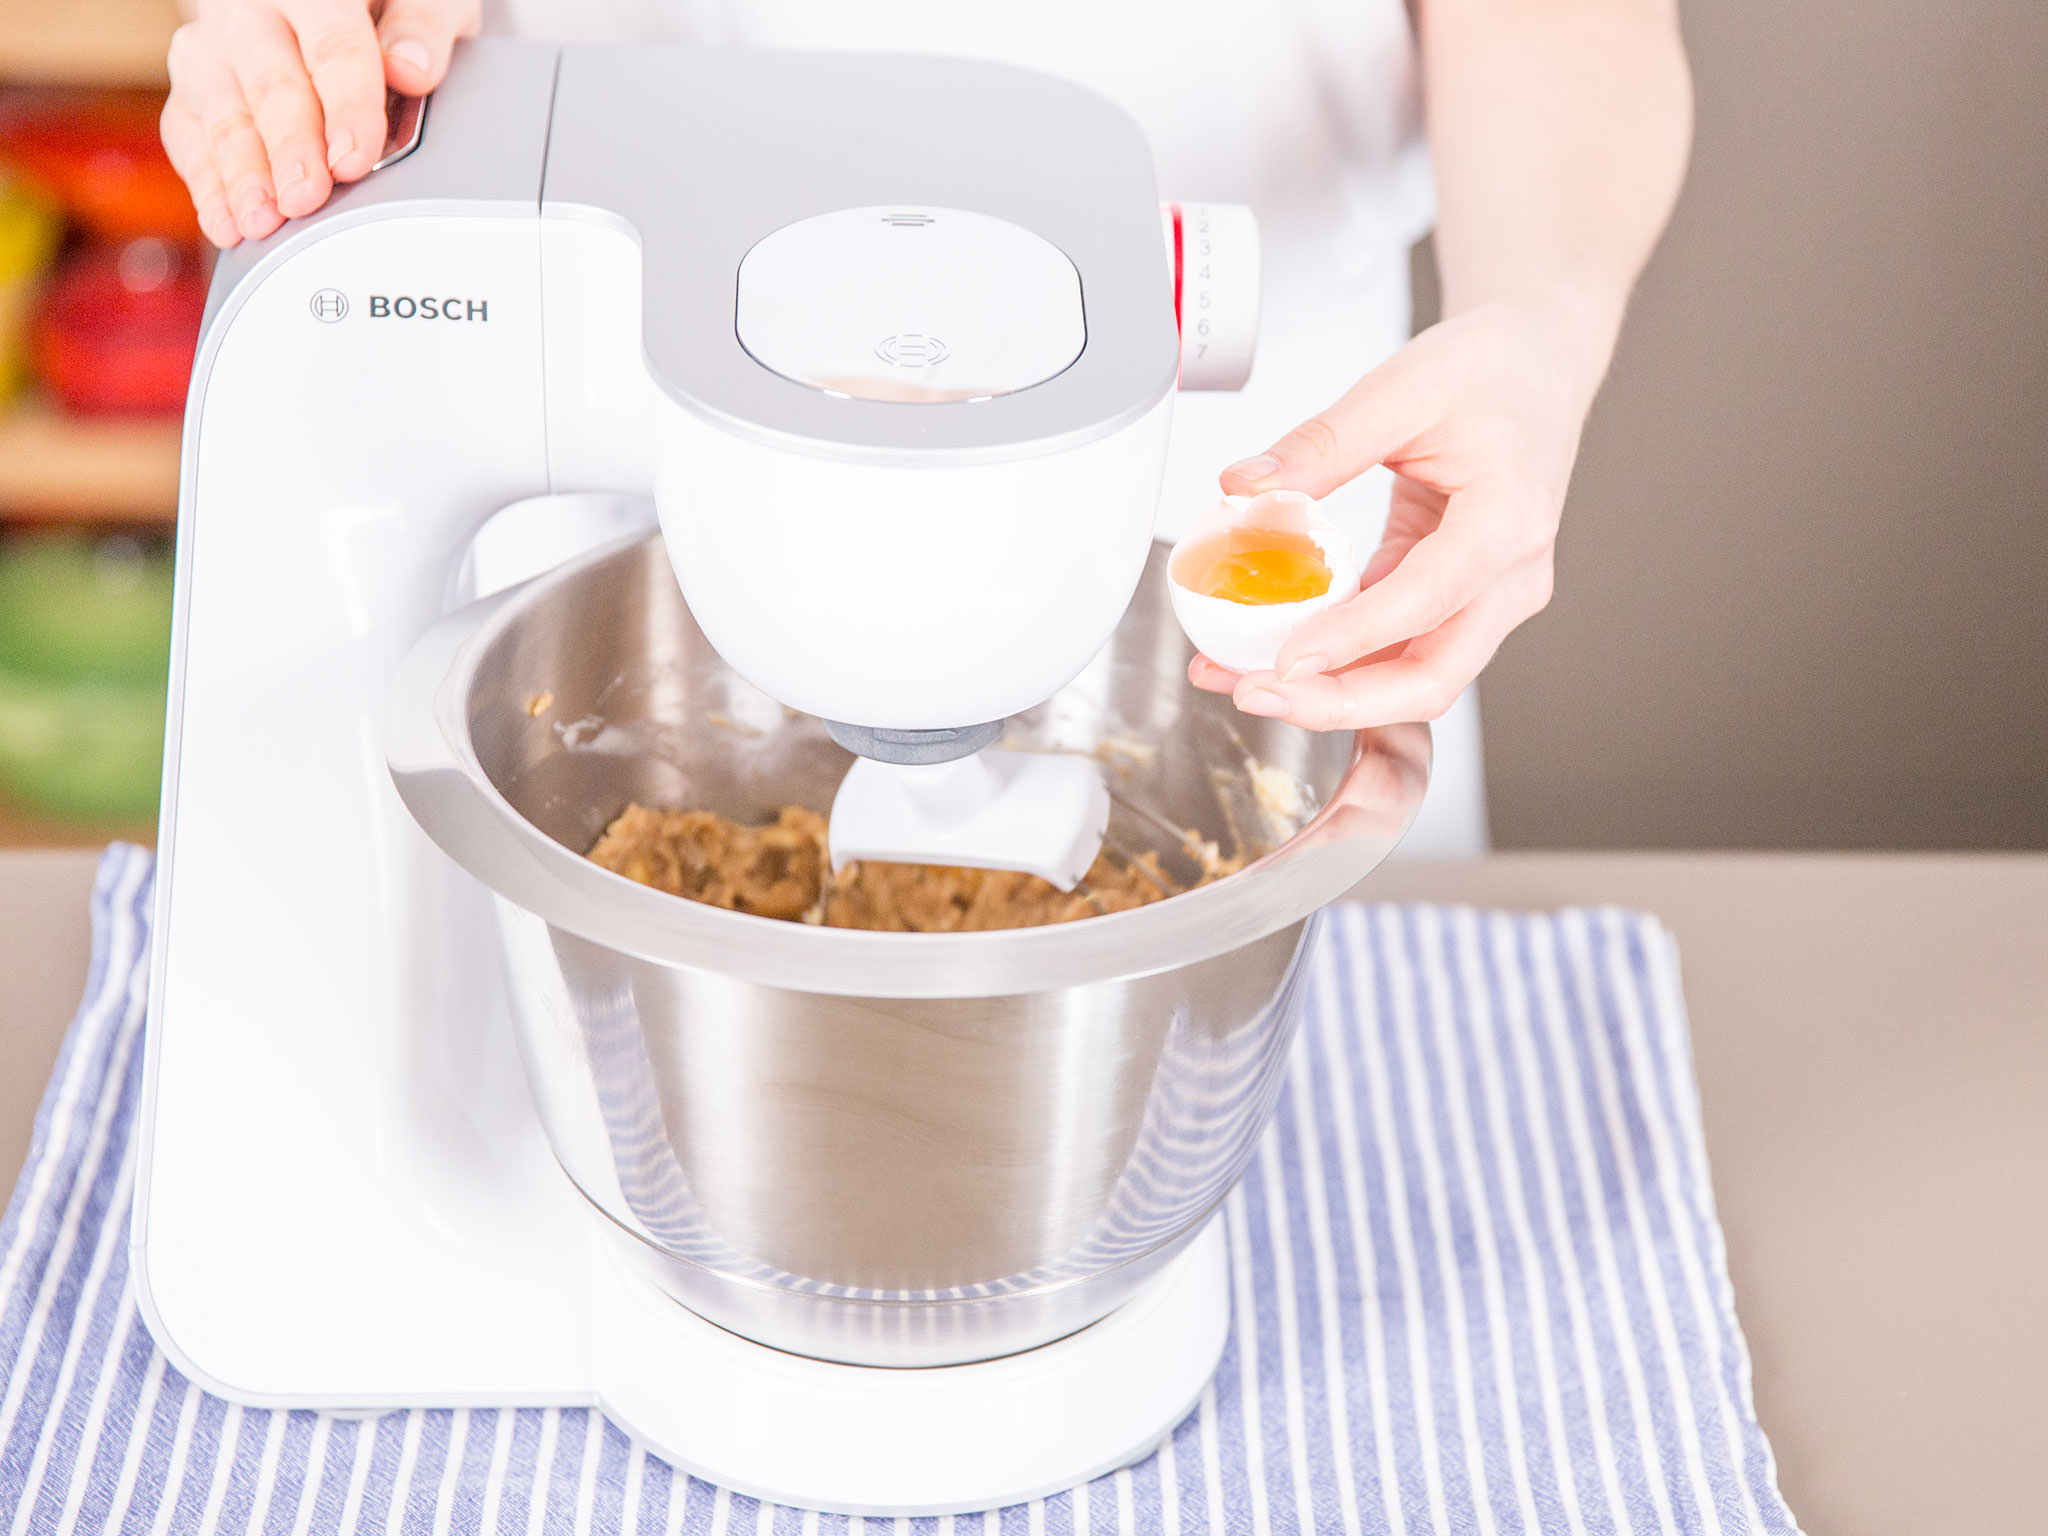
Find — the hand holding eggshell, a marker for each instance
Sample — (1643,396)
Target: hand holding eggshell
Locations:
(1478,419)
(1249,573)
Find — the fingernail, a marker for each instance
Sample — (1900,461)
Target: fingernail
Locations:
(1307,666)
(294,173)
(406,51)
(339,148)
(219,224)
(1263,701)
(1258,467)
(258,216)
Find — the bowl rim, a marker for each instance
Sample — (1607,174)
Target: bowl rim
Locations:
(442,782)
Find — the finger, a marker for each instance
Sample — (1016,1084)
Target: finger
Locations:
(1378,416)
(417,36)
(1414,511)
(1210,676)
(1419,682)
(338,43)
(1487,529)
(185,143)
(203,81)
(264,53)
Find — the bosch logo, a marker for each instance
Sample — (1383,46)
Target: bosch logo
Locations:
(330,305)
(911,349)
(405,307)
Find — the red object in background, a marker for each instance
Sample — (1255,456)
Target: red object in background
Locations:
(98,155)
(116,328)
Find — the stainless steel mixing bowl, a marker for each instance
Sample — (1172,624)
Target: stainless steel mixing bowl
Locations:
(892,1149)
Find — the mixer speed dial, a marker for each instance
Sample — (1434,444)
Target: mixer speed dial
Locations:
(1216,292)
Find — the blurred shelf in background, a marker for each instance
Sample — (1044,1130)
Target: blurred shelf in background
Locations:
(86,42)
(23,829)
(86,498)
(86,469)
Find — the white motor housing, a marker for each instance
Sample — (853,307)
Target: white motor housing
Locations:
(911,384)
(922,589)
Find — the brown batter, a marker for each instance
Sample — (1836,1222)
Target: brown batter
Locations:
(771,871)
(783,870)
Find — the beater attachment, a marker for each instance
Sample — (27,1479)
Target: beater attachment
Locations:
(1041,813)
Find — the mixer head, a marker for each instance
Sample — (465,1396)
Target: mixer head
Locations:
(962,524)
(958,521)
(913,397)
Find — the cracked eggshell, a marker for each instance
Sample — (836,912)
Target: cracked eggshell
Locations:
(1245,637)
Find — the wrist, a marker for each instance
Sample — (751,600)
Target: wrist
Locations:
(1578,318)
(1587,318)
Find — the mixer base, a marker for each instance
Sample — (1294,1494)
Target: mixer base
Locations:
(867,1440)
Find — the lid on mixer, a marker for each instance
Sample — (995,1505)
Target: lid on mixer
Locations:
(912,304)
(1043,207)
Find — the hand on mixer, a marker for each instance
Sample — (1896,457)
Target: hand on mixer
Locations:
(275,102)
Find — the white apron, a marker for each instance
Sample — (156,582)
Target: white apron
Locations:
(1308,111)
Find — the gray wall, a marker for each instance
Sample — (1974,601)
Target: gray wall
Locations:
(1803,583)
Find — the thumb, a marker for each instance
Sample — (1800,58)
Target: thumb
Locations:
(1378,416)
(417,35)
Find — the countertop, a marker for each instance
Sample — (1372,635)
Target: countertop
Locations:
(1872,1039)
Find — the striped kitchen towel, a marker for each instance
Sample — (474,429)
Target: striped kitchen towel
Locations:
(1479,1287)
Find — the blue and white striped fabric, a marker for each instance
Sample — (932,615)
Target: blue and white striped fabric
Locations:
(1479,1288)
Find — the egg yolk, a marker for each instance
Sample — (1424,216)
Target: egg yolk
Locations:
(1260,566)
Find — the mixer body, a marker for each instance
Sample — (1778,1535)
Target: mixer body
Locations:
(876,1148)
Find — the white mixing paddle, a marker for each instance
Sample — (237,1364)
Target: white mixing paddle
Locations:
(1039,812)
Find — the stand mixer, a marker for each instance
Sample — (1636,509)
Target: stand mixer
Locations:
(892,345)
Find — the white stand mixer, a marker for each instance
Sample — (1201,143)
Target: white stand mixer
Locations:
(895,339)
